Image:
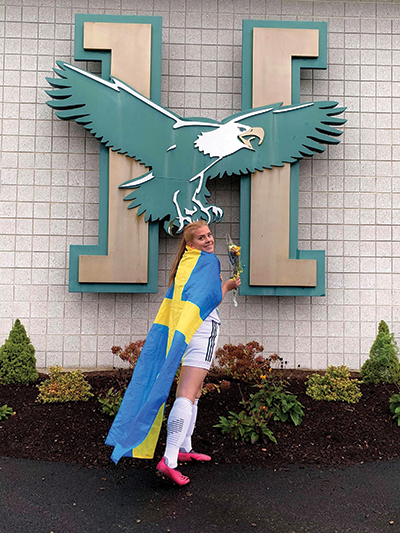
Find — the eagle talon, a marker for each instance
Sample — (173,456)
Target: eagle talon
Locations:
(217,213)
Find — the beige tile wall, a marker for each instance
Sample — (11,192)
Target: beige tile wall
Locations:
(349,196)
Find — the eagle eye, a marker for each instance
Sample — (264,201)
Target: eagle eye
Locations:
(242,129)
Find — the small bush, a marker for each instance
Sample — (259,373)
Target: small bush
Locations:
(243,361)
(271,401)
(111,402)
(17,358)
(5,412)
(335,386)
(383,364)
(130,353)
(64,387)
(247,426)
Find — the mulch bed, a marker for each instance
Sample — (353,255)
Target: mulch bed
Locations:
(331,434)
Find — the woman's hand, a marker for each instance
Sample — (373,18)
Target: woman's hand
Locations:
(232,283)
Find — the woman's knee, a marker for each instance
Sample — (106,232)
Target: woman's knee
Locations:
(198,393)
(191,382)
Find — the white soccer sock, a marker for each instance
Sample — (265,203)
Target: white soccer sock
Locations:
(178,422)
(186,445)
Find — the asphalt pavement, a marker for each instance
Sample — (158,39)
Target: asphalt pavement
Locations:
(45,497)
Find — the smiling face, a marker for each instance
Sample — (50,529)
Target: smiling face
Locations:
(202,240)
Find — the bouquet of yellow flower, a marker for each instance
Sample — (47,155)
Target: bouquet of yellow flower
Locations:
(234,259)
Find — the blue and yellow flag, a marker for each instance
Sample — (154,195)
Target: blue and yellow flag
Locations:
(195,293)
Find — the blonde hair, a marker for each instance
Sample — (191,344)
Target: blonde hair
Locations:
(187,237)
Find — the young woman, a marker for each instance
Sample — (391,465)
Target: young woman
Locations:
(195,364)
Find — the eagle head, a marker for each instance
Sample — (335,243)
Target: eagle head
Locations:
(227,139)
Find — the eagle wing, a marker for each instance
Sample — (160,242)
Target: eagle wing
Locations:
(129,123)
(291,133)
(118,116)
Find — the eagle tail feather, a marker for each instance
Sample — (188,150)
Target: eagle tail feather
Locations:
(141,210)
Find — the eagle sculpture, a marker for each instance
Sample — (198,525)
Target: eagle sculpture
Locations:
(181,154)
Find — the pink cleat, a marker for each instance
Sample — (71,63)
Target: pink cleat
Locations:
(185,457)
(171,473)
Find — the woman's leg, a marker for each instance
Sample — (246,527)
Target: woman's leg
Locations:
(191,382)
(186,445)
(188,390)
(183,414)
(184,388)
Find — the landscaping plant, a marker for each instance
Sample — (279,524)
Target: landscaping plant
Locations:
(17,358)
(212,387)
(270,401)
(383,364)
(5,412)
(111,402)
(130,353)
(242,361)
(64,387)
(334,386)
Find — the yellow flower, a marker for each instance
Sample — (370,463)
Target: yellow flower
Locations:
(234,249)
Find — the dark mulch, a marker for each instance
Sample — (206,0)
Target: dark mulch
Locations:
(332,433)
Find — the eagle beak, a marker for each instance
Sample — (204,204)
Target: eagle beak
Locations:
(252,133)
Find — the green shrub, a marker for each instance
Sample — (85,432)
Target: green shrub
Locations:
(64,387)
(5,412)
(334,386)
(17,358)
(246,426)
(111,402)
(383,364)
(271,401)
(395,407)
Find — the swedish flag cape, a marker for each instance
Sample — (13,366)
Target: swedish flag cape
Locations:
(195,293)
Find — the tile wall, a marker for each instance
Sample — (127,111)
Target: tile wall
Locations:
(349,196)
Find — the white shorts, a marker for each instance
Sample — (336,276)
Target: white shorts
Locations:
(201,349)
